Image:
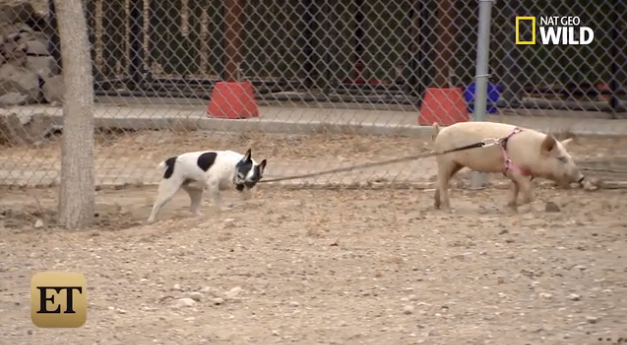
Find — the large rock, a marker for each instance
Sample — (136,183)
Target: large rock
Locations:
(25,61)
(16,130)
(35,47)
(13,98)
(44,66)
(53,89)
(14,52)
(17,79)
(23,12)
(32,41)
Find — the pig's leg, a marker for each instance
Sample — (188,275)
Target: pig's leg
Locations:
(520,185)
(526,189)
(514,189)
(446,170)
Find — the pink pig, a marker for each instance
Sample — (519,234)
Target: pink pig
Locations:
(521,155)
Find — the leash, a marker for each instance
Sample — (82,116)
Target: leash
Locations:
(484,143)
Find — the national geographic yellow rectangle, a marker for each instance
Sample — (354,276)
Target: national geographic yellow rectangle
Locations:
(533,30)
(58,300)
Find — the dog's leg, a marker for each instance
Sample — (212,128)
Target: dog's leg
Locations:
(214,191)
(167,189)
(245,194)
(195,196)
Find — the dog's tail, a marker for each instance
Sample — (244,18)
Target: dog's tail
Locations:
(168,163)
(436,131)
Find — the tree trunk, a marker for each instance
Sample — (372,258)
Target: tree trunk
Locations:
(77,196)
(445,45)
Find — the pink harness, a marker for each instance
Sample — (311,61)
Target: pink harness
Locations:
(508,165)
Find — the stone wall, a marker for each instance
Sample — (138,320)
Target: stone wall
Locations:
(29,73)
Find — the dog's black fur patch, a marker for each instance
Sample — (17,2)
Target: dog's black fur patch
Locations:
(206,160)
(169,170)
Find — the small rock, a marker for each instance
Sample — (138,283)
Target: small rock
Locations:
(121,311)
(184,302)
(206,289)
(546,295)
(294,304)
(592,319)
(413,298)
(177,287)
(275,333)
(574,297)
(551,207)
(591,184)
(233,293)
(218,301)
(39,224)
(196,296)
(408,309)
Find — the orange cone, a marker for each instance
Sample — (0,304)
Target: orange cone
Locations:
(445,106)
(233,100)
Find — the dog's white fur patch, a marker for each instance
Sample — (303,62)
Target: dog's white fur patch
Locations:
(226,169)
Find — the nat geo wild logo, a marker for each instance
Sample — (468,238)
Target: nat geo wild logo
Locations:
(58,300)
(553,30)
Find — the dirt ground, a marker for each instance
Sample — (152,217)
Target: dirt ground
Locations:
(328,267)
(132,157)
(321,267)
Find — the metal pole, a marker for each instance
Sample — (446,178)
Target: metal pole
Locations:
(478,180)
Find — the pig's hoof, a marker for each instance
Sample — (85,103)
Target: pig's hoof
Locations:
(512,207)
(444,208)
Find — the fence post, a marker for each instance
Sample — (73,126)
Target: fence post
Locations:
(232,39)
(54,44)
(511,74)
(136,38)
(478,180)
(617,47)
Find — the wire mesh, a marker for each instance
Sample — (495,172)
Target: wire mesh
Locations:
(324,74)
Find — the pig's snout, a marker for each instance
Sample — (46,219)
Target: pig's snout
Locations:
(578,177)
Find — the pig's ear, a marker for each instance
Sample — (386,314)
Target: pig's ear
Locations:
(548,144)
(566,142)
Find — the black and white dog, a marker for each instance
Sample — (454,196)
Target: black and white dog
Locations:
(212,170)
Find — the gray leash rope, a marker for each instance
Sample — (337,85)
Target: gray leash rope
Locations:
(484,143)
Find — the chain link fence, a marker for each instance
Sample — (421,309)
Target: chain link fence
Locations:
(323,76)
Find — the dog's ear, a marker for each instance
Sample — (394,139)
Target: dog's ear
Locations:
(247,156)
(262,166)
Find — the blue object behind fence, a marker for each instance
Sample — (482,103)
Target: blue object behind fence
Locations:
(494,92)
